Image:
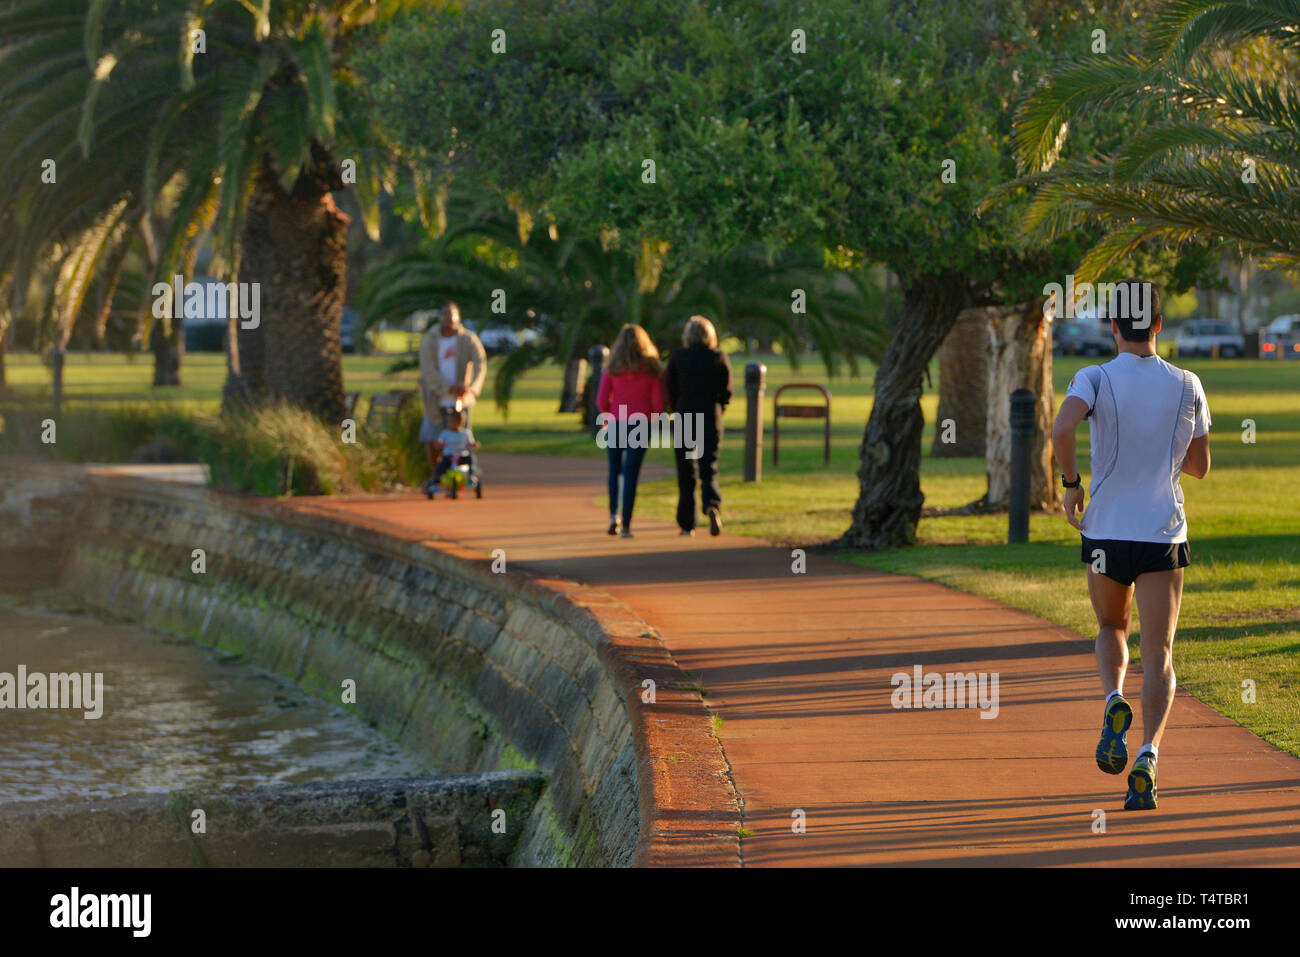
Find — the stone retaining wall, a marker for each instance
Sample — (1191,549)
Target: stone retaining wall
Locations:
(470,670)
(445,821)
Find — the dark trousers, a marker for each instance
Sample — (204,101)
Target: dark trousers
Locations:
(440,469)
(707,464)
(625,464)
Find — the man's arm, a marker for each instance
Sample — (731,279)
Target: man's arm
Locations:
(1073,411)
(479,359)
(431,384)
(1197,461)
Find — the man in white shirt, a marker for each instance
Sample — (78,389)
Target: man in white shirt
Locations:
(1148,421)
(453,367)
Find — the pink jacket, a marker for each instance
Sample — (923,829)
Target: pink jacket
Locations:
(635,391)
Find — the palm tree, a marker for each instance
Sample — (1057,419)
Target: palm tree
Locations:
(242,112)
(1214,107)
(577,292)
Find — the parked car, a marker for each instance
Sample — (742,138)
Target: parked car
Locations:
(1082,339)
(205,335)
(206,331)
(496,339)
(1198,337)
(348,329)
(1280,339)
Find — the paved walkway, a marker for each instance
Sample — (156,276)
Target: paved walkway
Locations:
(799,667)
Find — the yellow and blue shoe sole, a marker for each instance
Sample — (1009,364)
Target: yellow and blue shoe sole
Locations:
(1141,788)
(1112,753)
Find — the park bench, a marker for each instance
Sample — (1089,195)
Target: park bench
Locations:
(385,407)
(350,404)
(789,411)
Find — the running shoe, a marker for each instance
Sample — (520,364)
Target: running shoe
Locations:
(1112,753)
(1141,784)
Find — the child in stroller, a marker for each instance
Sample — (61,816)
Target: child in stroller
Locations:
(454,446)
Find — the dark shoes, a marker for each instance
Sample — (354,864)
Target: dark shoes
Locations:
(1141,794)
(613,526)
(715,521)
(1112,754)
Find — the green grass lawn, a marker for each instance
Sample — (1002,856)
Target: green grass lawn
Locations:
(1241,611)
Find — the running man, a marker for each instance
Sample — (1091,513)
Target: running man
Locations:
(1148,421)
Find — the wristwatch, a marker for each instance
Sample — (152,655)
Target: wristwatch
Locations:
(1075,484)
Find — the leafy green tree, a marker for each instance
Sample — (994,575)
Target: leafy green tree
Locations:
(873,126)
(918,115)
(602,115)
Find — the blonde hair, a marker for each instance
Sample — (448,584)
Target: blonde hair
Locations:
(634,351)
(699,331)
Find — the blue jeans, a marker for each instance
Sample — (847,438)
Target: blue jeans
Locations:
(625,463)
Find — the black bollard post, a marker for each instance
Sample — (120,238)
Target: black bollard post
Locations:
(755,381)
(1023,424)
(56,373)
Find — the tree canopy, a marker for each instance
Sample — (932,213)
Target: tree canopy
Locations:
(874,127)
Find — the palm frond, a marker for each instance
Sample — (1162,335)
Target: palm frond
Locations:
(1183,27)
(1215,152)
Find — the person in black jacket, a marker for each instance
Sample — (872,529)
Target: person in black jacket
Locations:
(698,380)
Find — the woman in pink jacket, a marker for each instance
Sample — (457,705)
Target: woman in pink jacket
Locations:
(630,385)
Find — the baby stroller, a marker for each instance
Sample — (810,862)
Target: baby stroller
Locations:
(463,473)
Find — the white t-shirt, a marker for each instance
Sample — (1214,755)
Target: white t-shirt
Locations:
(455,442)
(447,367)
(1143,414)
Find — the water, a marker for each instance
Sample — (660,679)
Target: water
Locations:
(175,715)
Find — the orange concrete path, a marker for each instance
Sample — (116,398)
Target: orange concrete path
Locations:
(799,668)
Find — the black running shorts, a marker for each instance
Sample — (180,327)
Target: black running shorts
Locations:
(1125,561)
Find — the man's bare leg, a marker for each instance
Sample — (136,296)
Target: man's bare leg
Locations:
(1112,603)
(1159,595)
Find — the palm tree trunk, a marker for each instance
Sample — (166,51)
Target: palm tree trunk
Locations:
(294,248)
(1021,358)
(889,501)
(960,423)
(168,349)
(574,370)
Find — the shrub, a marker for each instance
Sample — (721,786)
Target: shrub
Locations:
(274,450)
